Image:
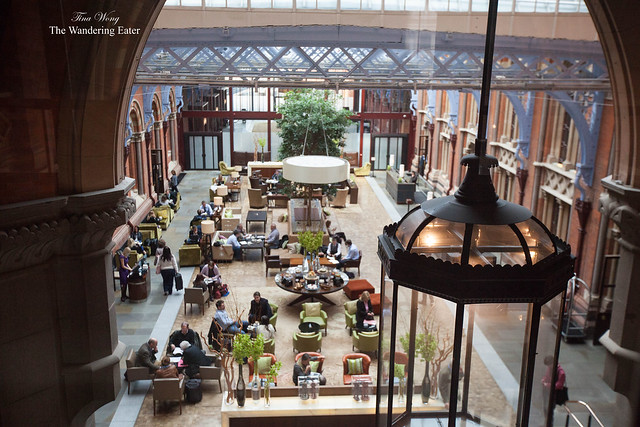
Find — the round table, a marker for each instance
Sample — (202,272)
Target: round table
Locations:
(305,294)
(309,327)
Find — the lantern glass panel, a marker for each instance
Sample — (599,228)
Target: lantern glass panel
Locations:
(538,241)
(400,361)
(435,323)
(547,338)
(499,332)
(409,225)
(385,328)
(440,239)
(495,245)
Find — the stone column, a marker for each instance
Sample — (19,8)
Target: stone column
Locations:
(59,320)
(136,140)
(172,135)
(622,365)
(157,135)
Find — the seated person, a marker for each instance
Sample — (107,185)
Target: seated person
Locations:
(198,282)
(352,253)
(164,201)
(151,217)
(273,240)
(173,194)
(135,246)
(206,208)
(226,322)
(194,236)
(193,357)
(233,241)
(266,329)
(241,230)
(364,313)
(413,177)
(277,175)
(334,249)
(211,271)
(168,369)
(136,235)
(259,307)
(184,334)
(199,216)
(302,368)
(146,355)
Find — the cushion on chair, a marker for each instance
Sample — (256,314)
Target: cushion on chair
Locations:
(351,306)
(314,365)
(398,370)
(264,364)
(312,309)
(355,366)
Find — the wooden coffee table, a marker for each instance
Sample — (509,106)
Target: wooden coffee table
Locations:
(257,216)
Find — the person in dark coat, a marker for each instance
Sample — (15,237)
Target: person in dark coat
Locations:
(185,334)
(146,355)
(193,357)
(259,307)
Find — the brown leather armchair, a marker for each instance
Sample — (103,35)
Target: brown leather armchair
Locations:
(272,261)
(256,199)
(366,362)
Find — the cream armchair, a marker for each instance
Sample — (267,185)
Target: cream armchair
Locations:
(340,201)
(256,199)
(195,296)
(135,373)
(168,389)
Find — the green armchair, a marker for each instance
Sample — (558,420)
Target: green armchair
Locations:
(190,255)
(313,312)
(304,342)
(273,319)
(227,170)
(365,341)
(270,346)
(363,171)
(350,308)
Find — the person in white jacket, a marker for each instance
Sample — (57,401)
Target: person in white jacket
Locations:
(167,266)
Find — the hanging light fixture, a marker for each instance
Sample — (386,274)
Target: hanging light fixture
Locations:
(312,170)
(471,248)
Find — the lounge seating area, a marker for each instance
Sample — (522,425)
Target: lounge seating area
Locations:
(289,342)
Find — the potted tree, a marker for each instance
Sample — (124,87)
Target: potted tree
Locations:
(425,348)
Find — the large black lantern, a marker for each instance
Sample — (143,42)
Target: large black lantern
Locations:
(472,299)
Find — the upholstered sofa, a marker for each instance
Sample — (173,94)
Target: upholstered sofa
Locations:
(223,252)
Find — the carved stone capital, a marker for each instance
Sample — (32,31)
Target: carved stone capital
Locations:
(33,232)
(621,203)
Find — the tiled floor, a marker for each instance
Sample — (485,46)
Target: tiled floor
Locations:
(159,315)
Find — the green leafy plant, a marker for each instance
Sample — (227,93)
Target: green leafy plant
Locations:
(273,372)
(244,347)
(310,241)
(311,115)
(262,143)
(398,371)
(426,345)
(388,167)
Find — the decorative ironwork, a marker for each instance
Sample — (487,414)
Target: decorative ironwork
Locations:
(356,57)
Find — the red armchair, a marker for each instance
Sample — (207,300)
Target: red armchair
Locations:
(366,361)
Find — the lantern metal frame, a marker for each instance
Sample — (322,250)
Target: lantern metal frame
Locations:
(474,206)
